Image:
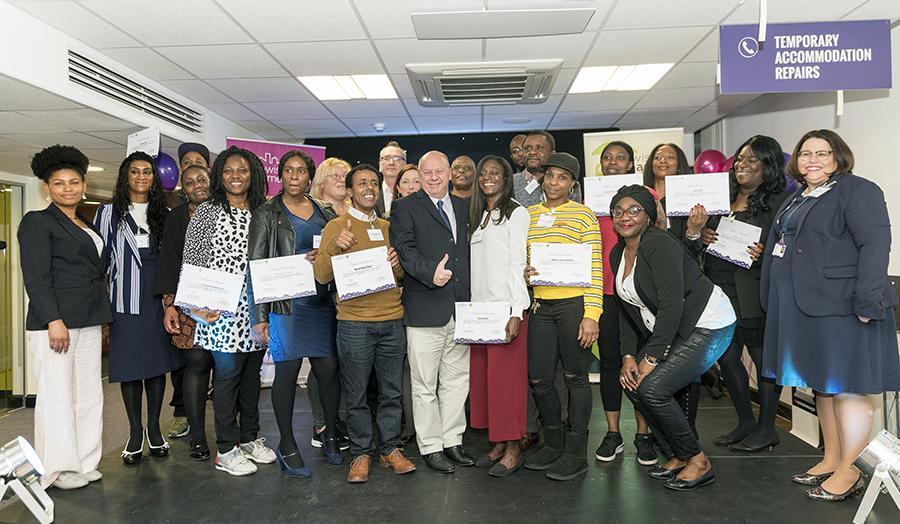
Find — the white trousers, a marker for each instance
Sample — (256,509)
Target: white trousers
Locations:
(439,376)
(68,416)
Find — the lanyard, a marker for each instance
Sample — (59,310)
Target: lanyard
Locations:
(784,221)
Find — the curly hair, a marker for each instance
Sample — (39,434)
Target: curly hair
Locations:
(259,185)
(317,190)
(56,158)
(506,203)
(156,209)
(684,168)
(768,151)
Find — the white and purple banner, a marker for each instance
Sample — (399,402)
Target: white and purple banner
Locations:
(815,56)
(270,153)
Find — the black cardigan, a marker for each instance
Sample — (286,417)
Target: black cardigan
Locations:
(669,282)
(171,251)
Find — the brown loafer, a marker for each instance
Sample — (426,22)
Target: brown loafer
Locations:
(528,439)
(359,469)
(398,462)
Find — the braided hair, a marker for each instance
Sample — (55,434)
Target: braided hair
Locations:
(259,184)
(156,208)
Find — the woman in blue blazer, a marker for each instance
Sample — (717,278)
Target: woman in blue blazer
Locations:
(63,271)
(830,323)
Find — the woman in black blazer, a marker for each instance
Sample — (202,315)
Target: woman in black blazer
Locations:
(757,191)
(63,269)
(674,323)
(830,304)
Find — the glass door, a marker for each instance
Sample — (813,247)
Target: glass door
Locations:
(12,322)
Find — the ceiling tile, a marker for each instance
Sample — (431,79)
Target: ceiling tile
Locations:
(354,57)
(653,13)
(16,167)
(549,105)
(397,53)
(112,157)
(393,20)
(148,63)
(874,10)
(796,10)
(196,90)
(224,61)
(365,108)
(571,48)
(288,110)
(162,22)
(79,140)
(81,119)
(312,127)
(564,80)
(296,20)
(13,146)
(19,123)
(666,117)
(645,46)
(605,101)
(76,21)
(119,137)
(689,74)
(585,119)
(393,125)
(449,124)
(19,96)
(496,122)
(684,97)
(416,109)
(707,50)
(281,89)
(232,111)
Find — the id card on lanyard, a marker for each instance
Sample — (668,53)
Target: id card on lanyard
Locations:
(780,246)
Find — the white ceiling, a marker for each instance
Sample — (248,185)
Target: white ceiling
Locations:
(239,58)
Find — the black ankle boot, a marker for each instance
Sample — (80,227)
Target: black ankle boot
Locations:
(552,450)
(573,461)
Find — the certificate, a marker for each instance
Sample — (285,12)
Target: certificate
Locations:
(481,322)
(567,265)
(683,192)
(282,278)
(362,273)
(733,240)
(209,289)
(598,191)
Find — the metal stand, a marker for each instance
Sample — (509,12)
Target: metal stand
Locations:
(42,508)
(879,477)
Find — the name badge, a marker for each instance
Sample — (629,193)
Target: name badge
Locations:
(375,235)
(779,250)
(546,220)
(477,236)
(819,191)
(317,239)
(143,240)
(532,186)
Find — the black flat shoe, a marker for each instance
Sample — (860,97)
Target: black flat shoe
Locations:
(725,440)
(131,458)
(810,479)
(406,440)
(438,462)
(199,450)
(499,470)
(740,446)
(485,461)
(818,493)
(458,456)
(661,473)
(158,451)
(677,484)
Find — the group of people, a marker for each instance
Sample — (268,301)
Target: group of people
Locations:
(815,309)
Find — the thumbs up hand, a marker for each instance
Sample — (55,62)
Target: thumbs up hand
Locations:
(345,238)
(441,274)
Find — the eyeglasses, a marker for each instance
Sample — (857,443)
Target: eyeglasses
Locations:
(632,211)
(820,155)
(466,168)
(393,159)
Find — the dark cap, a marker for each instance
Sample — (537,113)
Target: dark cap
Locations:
(565,161)
(192,146)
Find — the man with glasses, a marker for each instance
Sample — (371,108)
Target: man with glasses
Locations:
(462,174)
(516,154)
(390,162)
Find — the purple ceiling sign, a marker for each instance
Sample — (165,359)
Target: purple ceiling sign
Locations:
(818,56)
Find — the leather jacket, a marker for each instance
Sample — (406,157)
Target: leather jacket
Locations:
(271,235)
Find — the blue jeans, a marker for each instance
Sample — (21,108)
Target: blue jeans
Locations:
(360,347)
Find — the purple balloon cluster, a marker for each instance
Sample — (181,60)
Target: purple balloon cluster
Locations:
(712,161)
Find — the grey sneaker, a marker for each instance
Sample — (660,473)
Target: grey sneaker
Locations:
(258,452)
(646,455)
(69,480)
(180,427)
(611,446)
(235,463)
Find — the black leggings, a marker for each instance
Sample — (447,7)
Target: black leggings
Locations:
(610,357)
(735,377)
(198,365)
(132,393)
(284,389)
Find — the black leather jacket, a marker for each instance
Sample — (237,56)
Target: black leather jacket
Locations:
(271,235)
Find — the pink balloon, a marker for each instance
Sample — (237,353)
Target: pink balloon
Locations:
(728,164)
(168,171)
(709,161)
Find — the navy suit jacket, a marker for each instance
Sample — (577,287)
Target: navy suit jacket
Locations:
(840,257)
(421,239)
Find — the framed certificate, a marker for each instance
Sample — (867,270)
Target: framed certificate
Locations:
(683,192)
(209,289)
(733,240)
(362,273)
(282,278)
(598,191)
(481,322)
(567,265)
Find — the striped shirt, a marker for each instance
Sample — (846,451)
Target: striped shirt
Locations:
(573,224)
(124,260)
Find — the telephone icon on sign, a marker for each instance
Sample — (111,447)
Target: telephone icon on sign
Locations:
(748,47)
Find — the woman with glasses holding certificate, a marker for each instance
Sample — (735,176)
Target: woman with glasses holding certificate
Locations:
(568,301)
(302,327)
(830,304)
(674,324)
(498,229)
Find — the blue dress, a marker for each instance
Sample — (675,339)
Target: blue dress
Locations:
(832,354)
(309,331)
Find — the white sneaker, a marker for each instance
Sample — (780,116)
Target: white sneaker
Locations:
(234,463)
(69,480)
(92,476)
(258,452)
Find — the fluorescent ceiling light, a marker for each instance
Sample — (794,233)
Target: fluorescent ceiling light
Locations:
(645,76)
(345,87)
(618,78)
(592,79)
(95,168)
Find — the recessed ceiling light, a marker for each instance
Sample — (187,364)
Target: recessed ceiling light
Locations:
(618,78)
(95,168)
(592,79)
(518,120)
(349,86)
(645,76)
(345,87)
(91,203)
(324,87)
(375,86)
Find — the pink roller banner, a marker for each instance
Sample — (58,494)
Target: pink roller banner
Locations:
(270,153)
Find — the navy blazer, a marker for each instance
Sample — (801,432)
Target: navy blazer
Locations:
(669,282)
(840,257)
(421,239)
(64,276)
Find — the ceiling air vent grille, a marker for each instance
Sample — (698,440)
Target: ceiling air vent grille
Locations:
(88,73)
(482,83)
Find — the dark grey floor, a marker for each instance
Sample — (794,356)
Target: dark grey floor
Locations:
(749,488)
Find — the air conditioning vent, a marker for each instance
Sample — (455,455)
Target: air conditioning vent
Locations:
(482,83)
(91,75)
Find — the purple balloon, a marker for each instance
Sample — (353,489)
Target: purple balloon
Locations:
(709,161)
(168,171)
(789,183)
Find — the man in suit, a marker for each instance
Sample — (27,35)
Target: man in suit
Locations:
(390,161)
(428,230)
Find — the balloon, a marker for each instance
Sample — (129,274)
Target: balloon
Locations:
(168,171)
(789,183)
(709,161)
(787,157)
(728,164)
